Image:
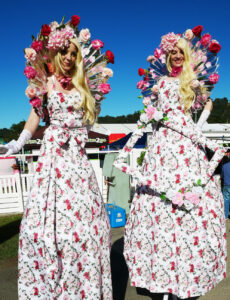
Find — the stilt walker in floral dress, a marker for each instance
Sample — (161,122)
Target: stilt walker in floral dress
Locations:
(64,243)
(175,240)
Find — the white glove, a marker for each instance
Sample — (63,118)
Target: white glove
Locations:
(203,118)
(15,146)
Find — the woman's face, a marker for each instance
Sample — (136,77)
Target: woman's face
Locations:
(68,57)
(177,57)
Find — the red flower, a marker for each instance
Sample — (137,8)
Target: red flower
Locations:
(139,271)
(83,247)
(35,291)
(35,238)
(153,276)
(200,213)
(96,229)
(36,265)
(196,240)
(40,251)
(153,207)
(214,47)
(75,20)
(201,253)
(177,178)
(172,265)
(79,267)
(141,72)
(77,215)
(59,253)
(205,224)
(37,45)
(191,268)
(162,84)
(87,275)
(82,294)
(45,30)
(197,30)
(76,237)
(109,56)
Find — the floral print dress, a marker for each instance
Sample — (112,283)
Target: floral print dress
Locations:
(64,244)
(167,248)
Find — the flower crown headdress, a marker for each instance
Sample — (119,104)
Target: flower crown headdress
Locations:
(54,37)
(204,62)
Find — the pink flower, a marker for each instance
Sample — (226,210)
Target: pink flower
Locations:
(150,111)
(30,54)
(36,102)
(157,53)
(178,199)
(30,72)
(151,58)
(169,41)
(59,39)
(205,40)
(155,89)
(107,72)
(146,101)
(37,45)
(140,84)
(192,197)
(214,78)
(189,34)
(97,44)
(104,88)
(30,92)
(85,35)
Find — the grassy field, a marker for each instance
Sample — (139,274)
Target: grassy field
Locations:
(9,229)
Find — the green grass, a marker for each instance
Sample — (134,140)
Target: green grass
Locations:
(9,229)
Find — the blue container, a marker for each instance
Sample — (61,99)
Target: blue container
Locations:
(117,215)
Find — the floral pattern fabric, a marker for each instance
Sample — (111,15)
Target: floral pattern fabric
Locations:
(64,244)
(168,249)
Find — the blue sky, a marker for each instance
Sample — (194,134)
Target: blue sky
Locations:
(130,28)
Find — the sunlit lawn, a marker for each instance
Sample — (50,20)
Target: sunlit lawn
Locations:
(9,228)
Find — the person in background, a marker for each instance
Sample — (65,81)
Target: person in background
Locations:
(225,176)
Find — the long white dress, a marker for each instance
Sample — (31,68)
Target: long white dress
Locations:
(64,244)
(168,249)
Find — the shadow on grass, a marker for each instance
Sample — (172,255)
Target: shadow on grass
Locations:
(9,230)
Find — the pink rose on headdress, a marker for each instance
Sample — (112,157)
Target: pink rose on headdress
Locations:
(188,34)
(97,44)
(104,88)
(54,25)
(60,39)
(150,111)
(178,199)
(205,40)
(157,53)
(37,45)
(30,92)
(85,35)
(155,89)
(30,54)
(140,84)
(192,197)
(141,72)
(169,41)
(151,58)
(30,72)
(36,102)
(109,56)
(146,101)
(214,78)
(107,72)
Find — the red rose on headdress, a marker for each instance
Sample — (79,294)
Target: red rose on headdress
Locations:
(110,56)
(75,20)
(214,47)
(37,45)
(197,30)
(45,30)
(141,71)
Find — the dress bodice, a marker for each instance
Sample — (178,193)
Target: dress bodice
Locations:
(168,95)
(62,109)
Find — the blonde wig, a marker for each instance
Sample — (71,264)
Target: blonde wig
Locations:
(186,76)
(79,81)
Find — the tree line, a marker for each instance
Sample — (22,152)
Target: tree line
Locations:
(220,114)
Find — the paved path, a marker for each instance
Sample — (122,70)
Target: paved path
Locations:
(8,277)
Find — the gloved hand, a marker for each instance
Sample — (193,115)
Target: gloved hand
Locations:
(203,118)
(15,146)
